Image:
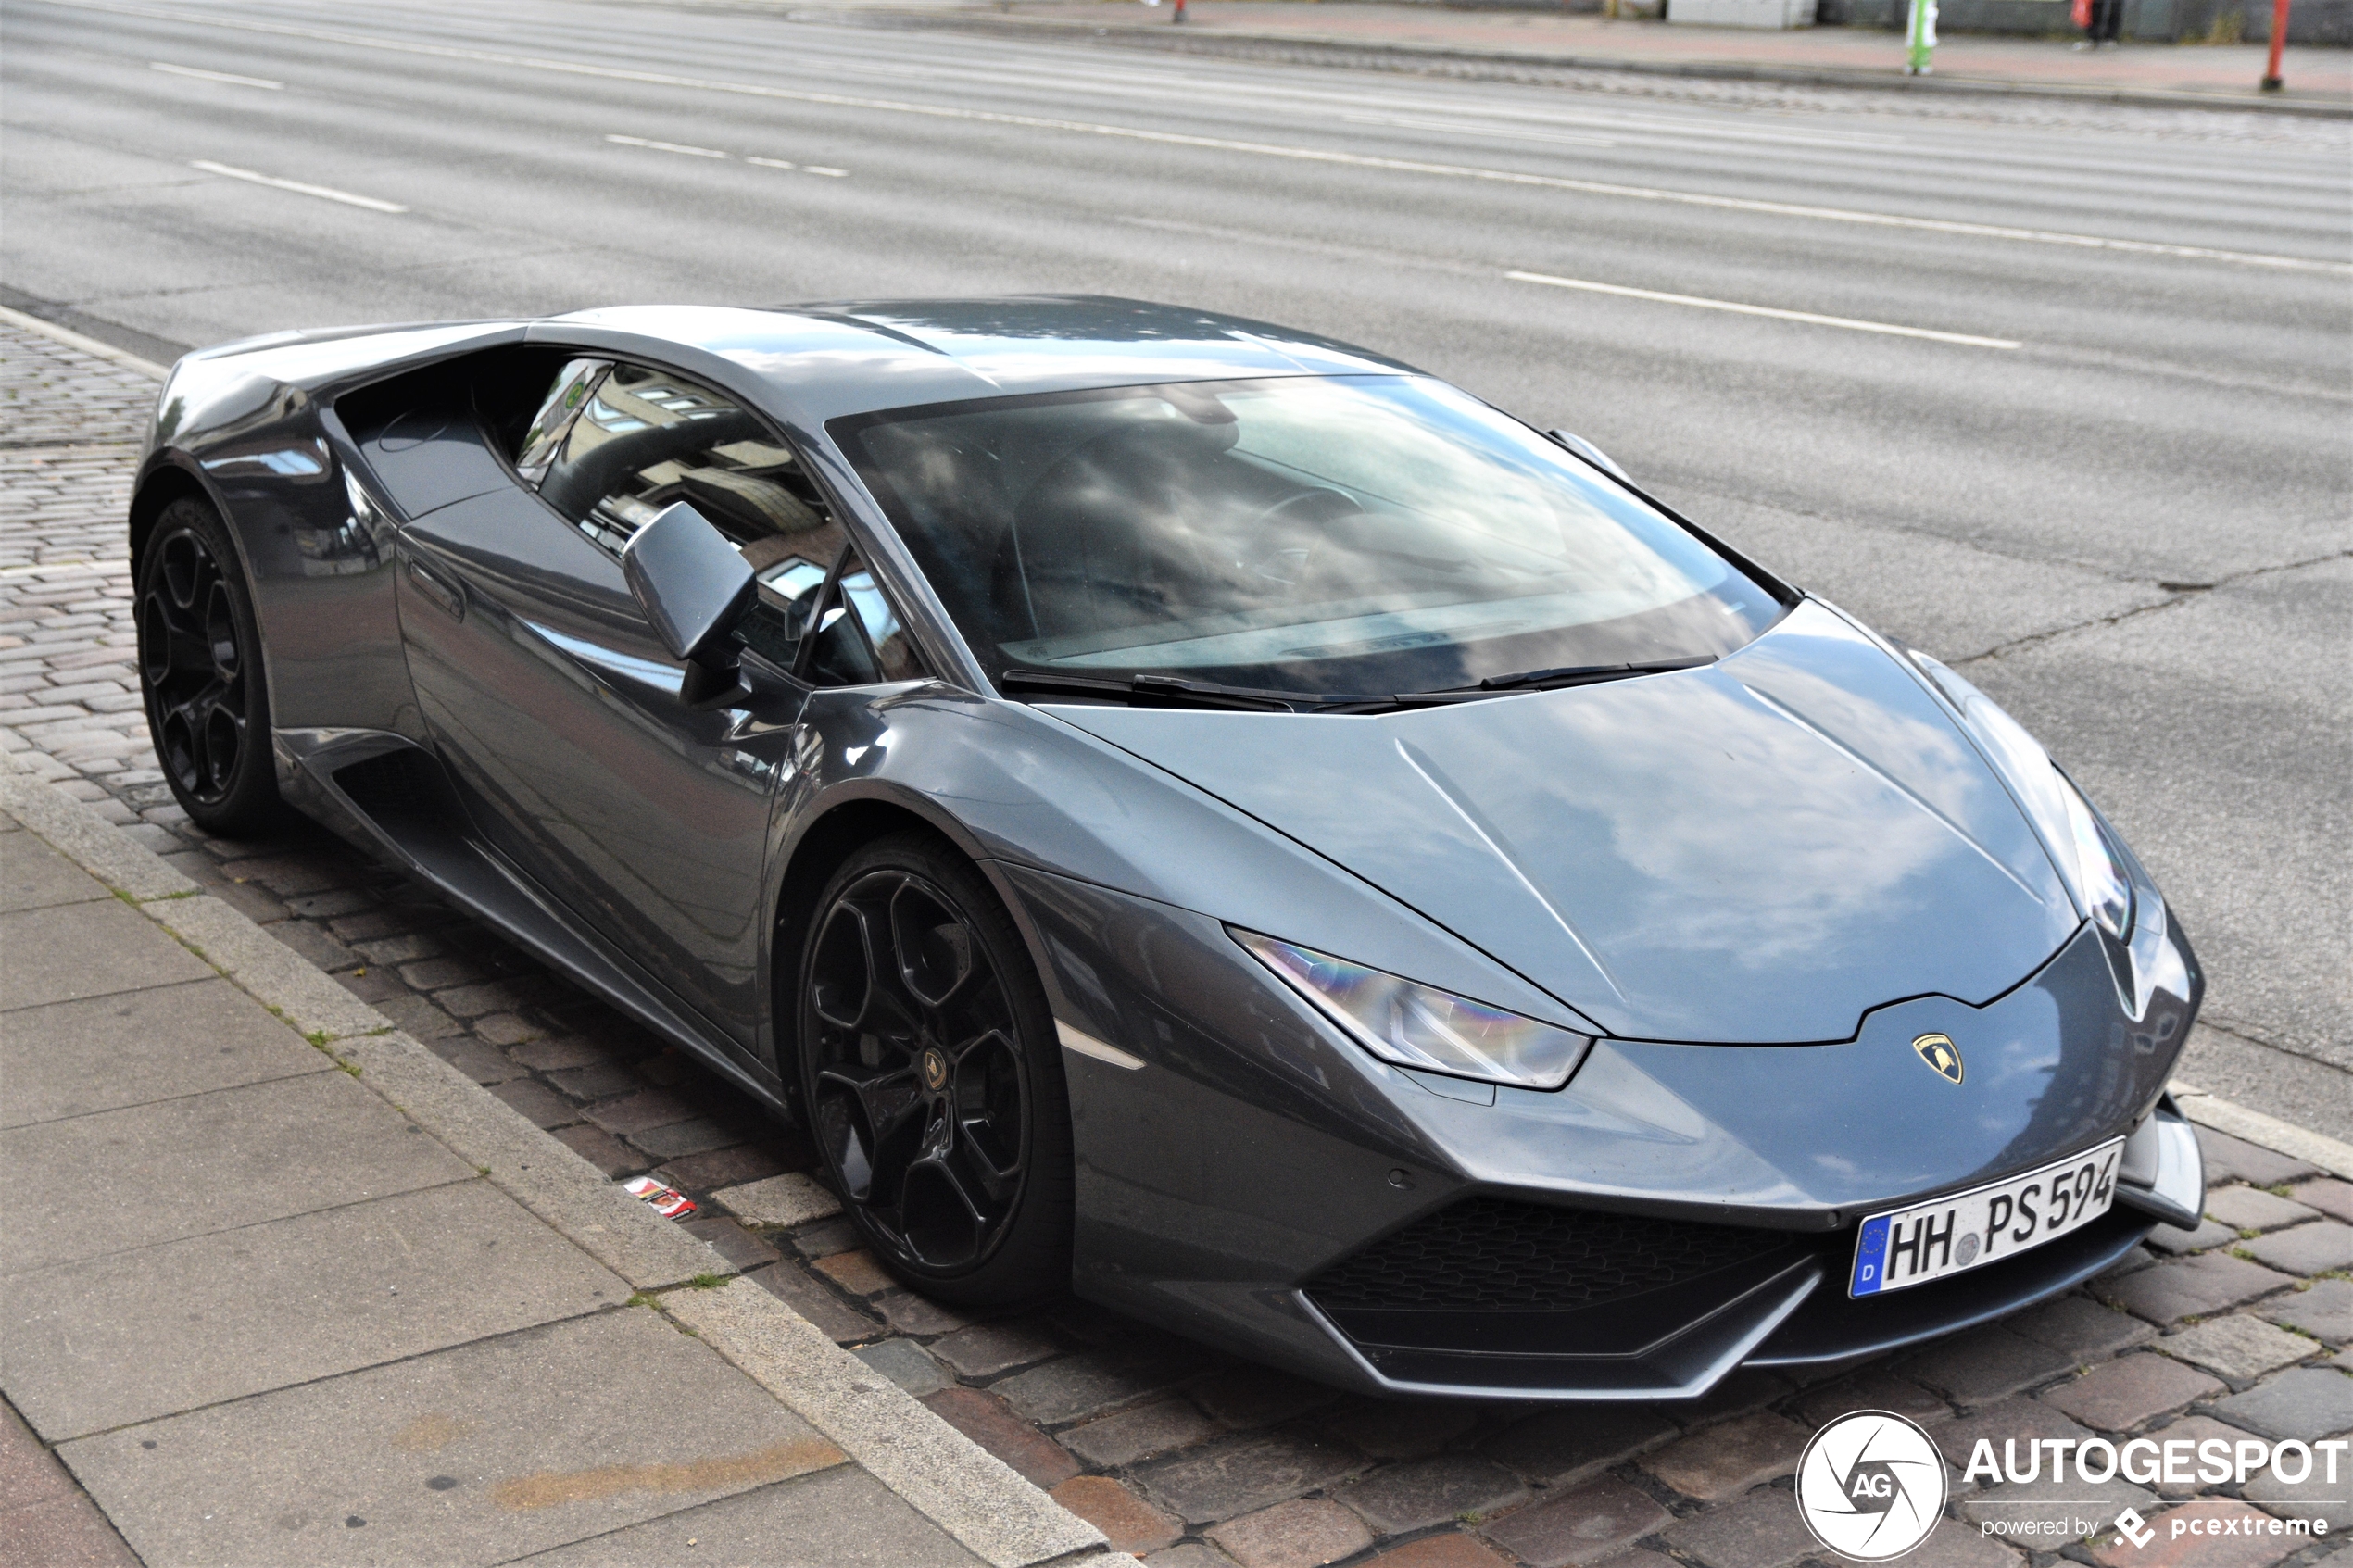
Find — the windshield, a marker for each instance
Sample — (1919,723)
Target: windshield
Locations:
(1365,534)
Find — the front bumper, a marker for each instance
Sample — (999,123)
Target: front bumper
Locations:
(1242,1185)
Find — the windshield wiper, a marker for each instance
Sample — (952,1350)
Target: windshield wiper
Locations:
(1585,674)
(1156,691)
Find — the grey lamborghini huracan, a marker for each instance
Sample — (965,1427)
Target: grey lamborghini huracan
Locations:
(1196,814)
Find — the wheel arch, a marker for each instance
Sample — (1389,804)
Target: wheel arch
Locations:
(856,817)
(171,476)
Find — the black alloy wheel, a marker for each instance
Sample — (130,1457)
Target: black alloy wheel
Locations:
(932,1077)
(200,672)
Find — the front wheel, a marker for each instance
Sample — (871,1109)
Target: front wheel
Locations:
(200,673)
(933,1076)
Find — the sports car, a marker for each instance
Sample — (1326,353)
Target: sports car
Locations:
(1194,815)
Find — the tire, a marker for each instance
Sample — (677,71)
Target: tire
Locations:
(932,1075)
(200,673)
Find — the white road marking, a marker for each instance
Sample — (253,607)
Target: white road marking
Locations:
(230,77)
(325,191)
(770,162)
(800,167)
(829,173)
(1220,144)
(667,146)
(1463,127)
(1806,316)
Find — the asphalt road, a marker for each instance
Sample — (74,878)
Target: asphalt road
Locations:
(2104,466)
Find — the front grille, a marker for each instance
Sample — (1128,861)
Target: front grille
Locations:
(1492,1255)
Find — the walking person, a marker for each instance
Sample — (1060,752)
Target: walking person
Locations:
(2102,22)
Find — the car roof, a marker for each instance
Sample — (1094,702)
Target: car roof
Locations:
(855,357)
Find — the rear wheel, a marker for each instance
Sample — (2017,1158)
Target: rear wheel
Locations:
(932,1077)
(200,672)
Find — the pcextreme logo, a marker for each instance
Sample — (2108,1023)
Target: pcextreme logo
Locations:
(1870,1486)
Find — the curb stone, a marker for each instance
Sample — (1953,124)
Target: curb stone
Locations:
(960,1487)
(2267,1132)
(90,345)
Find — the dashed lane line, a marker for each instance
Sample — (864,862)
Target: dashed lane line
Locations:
(325,192)
(1808,317)
(1222,143)
(230,77)
(667,146)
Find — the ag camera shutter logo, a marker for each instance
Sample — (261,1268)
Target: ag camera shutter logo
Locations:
(1870,1486)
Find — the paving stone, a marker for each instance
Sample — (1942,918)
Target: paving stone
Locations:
(1877,1389)
(986,1419)
(742,1250)
(1127,1522)
(2127,1393)
(1246,1398)
(1579,1526)
(2252,1208)
(903,1362)
(1762,1530)
(1399,1498)
(1986,1364)
(1114,1442)
(1241,1475)
(331,904)
(2324,1309)
(536,1102)
(1401,1428)
(1567,1444)
(518,1421)
(2315,1497)
(2304,1403)
(134,1336)
(602,1149)
(680,1138)
(827,1520)
(2330,1195)
(833,1317)
(506,1029)
(825,1238)
(984,1351)
(49,954)
(2206,1235)
(2135,1259)
(640,1111)
(1078,1386)
(1189,1554)
(369,986)
(2322,1247)
(2192,1287)
(1727,1460)
(1950,1546)
(857,1273)
(2048,1501)
(496,996)
(1438,1551)
(2239,1348)
(1299,1533)
(106,1053)
(553,1056)
(779,1201)
(2229,1159)
(908,1312)
(720,1168)
(259,906)
(2201,1540)
(207,1164)
(2081,1328)
(418,1017)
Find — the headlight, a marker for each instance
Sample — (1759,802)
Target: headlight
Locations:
(2090,863)
(1415,1025)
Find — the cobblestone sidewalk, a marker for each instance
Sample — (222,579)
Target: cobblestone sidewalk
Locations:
(1176,1453)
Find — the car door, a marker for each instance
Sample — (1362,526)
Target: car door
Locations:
(558,708)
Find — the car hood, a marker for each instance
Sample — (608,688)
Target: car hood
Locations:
(1754,852)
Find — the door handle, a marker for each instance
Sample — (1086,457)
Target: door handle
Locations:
(448,596)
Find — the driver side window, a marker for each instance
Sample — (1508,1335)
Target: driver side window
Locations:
(616,444)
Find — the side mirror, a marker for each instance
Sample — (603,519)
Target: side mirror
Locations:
(693,587)
(1583,448)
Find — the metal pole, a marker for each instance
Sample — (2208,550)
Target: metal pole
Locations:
(1919,39)
(2279,41)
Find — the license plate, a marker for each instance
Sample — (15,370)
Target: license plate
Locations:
(1969,1230)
